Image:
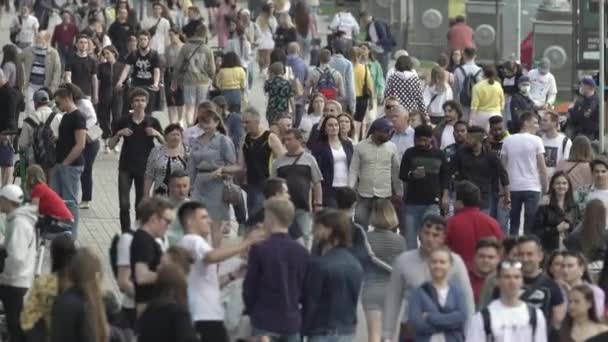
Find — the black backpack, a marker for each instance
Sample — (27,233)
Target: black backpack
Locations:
(113,252)
(466,92)
(44,142)
(487,322)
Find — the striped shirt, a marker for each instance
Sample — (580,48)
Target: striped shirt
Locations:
(38,66)
(387,246)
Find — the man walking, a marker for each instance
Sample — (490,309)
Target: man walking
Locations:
(81,69)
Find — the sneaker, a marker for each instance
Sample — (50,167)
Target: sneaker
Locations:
(85,205)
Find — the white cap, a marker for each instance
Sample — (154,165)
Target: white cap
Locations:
(12,193)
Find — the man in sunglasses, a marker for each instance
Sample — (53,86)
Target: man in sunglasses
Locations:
(508,318)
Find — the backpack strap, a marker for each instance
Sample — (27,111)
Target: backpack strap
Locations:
(533,319)
(31,122)
(487,324)
(50,118)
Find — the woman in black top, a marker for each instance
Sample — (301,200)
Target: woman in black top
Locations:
(78,314)
(109,107)
(333,156)
(556,219)
(167,318)
(286,32)
(590,237)
(581,322)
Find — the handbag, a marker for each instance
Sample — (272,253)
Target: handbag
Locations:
(94,133)
(367,93)
(152,30)
(231,193)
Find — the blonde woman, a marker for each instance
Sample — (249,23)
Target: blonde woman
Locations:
(364,90)
(266,26)
(436,93)
(384,245)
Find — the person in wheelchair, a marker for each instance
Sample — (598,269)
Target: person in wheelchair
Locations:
(54,215)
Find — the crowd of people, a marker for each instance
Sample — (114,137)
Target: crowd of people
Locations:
(451,204)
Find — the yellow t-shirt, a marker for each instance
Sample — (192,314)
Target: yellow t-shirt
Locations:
(488,97)
(231,78)
(359,71)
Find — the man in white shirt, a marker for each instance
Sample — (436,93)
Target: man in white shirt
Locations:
(523,157)
(344,22)
(403,137)
(508,317)
(468,68)
(204,297)
(26,25)
(599,169)
(543,88)
(158,28)
(557,144)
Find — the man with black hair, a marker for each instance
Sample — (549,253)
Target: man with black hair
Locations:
(469,224)
(81,69)
(424,172)
(204,297)
(482,167)
(179,190)
(487,256)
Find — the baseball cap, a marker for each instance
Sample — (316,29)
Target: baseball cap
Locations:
(544,65)
(41,97)
(12,193)
(588,81)
(523,79)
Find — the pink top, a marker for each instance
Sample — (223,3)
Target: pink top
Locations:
(460,36)
(578,172)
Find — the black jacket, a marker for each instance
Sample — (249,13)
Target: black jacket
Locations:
(8,103)
(325,159)
(520,103)
(69,318)
(584,116)
(546,221)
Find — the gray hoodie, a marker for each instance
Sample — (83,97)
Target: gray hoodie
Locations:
(20,245)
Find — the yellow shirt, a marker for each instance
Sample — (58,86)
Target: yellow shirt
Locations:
(231,78)
(359,70)
(488,97)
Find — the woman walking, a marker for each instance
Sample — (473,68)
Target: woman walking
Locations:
(164,160)
(488,99)
(110,103)
(231,80)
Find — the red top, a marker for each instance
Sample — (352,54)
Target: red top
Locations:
(460,36)
(468,226)
(50,204)
(64,35)
(477,283)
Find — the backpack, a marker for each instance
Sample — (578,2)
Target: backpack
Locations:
(44,142)
(113,252)
(466,92)
(487,322)
(326,84)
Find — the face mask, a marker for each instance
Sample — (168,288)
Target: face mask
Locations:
(524,89)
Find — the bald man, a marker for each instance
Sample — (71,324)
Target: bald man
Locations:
(41,67)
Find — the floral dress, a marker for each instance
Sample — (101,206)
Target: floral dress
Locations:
(279,91)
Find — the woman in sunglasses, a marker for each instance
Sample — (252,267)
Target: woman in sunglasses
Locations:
(582,323)
(437,309)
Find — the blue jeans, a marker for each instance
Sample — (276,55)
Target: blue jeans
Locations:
(414,216)
(255,198)
(332,338)
(233,99)
(65,180)
(499,213)
(274,337)
(363,210)
(529,201)
(303,219)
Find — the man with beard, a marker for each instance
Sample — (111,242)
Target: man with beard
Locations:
(120,31)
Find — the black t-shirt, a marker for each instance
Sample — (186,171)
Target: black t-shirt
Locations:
(137,146)
(70,123)
(427,190)
(543,293)
(143,68)
(145,249)
(83,69)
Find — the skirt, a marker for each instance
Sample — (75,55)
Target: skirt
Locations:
(360,108)
(372,295)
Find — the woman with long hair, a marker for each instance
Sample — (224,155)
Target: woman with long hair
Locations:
(78,313)
(488,99)
(286,32)
(231,80)
(557,218)
(347,127)
(314,115)
(455,60)
(384,247)
(576,273)
(164,160)
(333,156)
(167,317)
(377,75)
(110,103)
(50,205)
(212,159)
(10,66)
(240,45)
(364,91)
(37,307)
(436,93)
(590,237)
(577,166)
(582,323)
(443,61)
(266,26)
(174,96)
(305,28)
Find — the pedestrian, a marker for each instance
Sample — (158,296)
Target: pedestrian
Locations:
(174,98)
(165,159)
(286,32)
(306,29)
(599,169)
(582,322)
(314,115)
(280,93)
(345,67)
(212,162)
(577,166)
(378,35)
(81,69)
(24,27)
(438,308)
(158,25)
(110,103)
(435,94)
(51,207)
(364,92)
(63,36)
(344,26)
(266,25)
(487,256)
(589,237)
(443,132)
(179,190)
(122,28)
(224,18)
(406,86)
(78,313)
(520,103)
(487,100)
(467,74)
(543,88)
(8,126)
(275,311)
(231,80)
(138,132)
(41,68)
(333,282)
(576,272)
(460,35)
(326,80)
(19,256)
(584,115)
(557,144)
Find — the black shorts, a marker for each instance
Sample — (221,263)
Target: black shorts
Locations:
(211,331)
(360,108)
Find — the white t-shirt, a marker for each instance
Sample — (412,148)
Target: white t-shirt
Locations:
(447,137)
(521,150)
(123,258)
(161,37)
(204,298)
(345,22)
(555,151)
(29,28)
(340,168)
(543,88)
(306,124)
(509,324)
(442,297)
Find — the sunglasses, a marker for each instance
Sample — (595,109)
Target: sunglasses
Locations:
(510,264)
(389,107)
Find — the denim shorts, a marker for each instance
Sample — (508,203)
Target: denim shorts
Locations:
(195,94)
